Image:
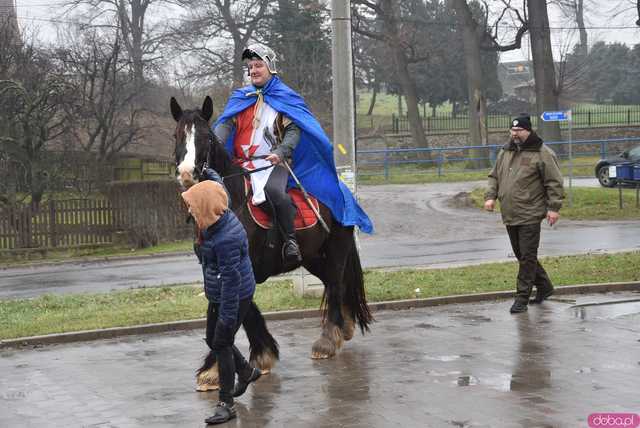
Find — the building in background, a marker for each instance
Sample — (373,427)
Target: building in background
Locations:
(514,74)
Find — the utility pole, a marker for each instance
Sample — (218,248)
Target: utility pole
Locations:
(344,147)
(343,93)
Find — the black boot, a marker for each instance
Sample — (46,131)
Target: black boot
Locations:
(243,384)
(518,307)
(542,295)
(291,250)
(223,412)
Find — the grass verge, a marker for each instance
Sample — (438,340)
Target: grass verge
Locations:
(57,314)
(589,204)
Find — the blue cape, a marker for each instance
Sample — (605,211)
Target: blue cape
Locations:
(313,161)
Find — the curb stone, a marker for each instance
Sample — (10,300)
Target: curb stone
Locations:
(110,333)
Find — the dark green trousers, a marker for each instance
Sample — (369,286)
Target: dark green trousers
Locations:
(525,240)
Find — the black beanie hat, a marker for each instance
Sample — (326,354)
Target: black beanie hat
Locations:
(523,121)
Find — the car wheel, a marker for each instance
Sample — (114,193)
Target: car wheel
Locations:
(603,177)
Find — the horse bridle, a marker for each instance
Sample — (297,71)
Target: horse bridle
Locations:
(244,172)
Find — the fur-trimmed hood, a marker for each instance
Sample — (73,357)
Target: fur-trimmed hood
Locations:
(206,201)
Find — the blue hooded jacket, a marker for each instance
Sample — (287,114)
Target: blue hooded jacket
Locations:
(313,161)
(226,265)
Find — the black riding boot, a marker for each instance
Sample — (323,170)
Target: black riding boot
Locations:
(291,250)
(285,212)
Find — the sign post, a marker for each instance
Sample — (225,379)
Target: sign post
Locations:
(563,116)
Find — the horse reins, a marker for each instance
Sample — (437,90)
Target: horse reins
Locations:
(244,172)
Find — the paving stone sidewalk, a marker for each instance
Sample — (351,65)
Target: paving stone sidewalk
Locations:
(468,365)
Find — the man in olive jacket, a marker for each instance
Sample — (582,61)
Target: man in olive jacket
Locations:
(528,183)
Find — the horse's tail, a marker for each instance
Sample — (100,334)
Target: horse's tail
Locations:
(263,347)
(354,298)
(208,362)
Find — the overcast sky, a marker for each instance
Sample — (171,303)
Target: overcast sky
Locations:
(602,26)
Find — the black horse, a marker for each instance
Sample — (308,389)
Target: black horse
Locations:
(331,256)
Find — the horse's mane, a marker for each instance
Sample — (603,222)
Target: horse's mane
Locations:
(218,158)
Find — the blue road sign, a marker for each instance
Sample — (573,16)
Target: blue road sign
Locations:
(555,116)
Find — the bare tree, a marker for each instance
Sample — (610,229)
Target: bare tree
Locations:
(384,21)
(140,39)
(543,67)
(477,36)
(575,10)
(217,32)
(31,94)
(103,116)
(371,66)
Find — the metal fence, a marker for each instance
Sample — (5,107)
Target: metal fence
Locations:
(583,117)
(443,161)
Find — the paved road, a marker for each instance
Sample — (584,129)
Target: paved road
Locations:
(472,365)
(418,226)
(415,226)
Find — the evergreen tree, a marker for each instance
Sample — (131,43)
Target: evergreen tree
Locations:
(608,68)
(300,36)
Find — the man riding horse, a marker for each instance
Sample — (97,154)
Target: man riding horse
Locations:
(266,123)
(267,131)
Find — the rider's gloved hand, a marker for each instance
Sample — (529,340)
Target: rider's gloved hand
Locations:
(211,174)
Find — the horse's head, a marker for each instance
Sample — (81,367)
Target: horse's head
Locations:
(193,138)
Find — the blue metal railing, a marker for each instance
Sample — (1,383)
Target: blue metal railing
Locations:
(463,158)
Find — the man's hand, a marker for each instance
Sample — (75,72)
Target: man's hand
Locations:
(489,204)
(552,217)
(273,158)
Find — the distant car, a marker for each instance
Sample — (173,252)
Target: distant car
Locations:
(602,167)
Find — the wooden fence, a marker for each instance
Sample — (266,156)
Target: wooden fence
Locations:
(68,223)
(150,215)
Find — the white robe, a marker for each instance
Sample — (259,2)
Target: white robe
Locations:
(259,179)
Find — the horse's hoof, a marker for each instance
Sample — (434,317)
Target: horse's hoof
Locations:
(348,330)
(207,387)
(319,356)
(349,326)
(323,348)
(265,362)
(208,380)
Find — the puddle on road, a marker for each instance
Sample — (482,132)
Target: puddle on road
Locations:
(499,382)
(447,358)
(504,382)
(613,309)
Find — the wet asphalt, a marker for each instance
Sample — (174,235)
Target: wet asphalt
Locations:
(467,365)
